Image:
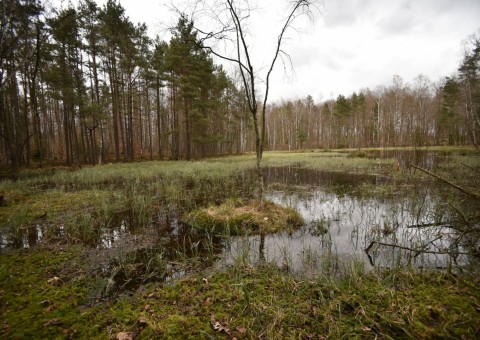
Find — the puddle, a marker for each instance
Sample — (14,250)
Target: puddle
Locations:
(128,257)
(25,238)
(161,252)
(298,176)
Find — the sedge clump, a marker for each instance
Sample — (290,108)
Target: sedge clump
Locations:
(235,217)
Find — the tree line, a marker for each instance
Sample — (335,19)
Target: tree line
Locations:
(84,84)
(419,114)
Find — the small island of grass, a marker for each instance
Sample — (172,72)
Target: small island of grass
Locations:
(235,217)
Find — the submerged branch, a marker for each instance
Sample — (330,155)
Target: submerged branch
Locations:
(436,224)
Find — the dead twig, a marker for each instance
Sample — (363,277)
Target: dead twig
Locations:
(437,224)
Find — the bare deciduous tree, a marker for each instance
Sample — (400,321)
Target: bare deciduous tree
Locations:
(231,20)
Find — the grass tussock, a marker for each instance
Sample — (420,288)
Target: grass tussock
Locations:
(236,218)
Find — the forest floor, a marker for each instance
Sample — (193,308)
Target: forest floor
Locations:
(101,252)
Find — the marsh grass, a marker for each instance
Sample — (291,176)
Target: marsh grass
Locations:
(249,301)
(89,200)
(332,297)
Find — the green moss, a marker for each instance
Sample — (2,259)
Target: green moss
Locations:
(36,297)
(51,293)
(255,302)
(235,218)
(241,302)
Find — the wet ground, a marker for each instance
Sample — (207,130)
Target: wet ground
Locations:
(340,226)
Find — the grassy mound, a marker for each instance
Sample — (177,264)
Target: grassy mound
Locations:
(237,218)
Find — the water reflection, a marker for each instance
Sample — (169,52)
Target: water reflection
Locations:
(348,226)
(339,228)
(24,237)
(294,176)
(422,158)
(164,251)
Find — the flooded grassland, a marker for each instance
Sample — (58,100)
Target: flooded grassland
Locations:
(384,249)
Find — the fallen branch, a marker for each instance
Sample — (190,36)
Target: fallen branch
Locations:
(437,224)
(415,250)
(470,167)
(465,191)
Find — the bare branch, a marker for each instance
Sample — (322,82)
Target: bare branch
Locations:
(472,168)
(299,4)
(465,191)
(211,50)
(236,23)
(241,38)
(415,250)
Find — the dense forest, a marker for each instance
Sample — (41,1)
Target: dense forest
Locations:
(86,85)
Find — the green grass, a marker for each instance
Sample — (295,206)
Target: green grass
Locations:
(54,290)
(265,302)
(49,294)
(87,199)
(90,199)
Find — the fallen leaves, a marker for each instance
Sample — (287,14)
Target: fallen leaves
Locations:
(219,327)
(143,322)
(241,330)
(126,336)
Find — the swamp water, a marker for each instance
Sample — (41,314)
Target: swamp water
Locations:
(340,224)
(404,158)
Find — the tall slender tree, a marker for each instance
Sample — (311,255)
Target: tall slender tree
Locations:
(232,17)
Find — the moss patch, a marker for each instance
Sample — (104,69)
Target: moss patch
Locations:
(236,218)
(266,303)
(47,293)
(39,297)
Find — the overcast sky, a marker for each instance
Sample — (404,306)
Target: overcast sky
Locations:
(353,44)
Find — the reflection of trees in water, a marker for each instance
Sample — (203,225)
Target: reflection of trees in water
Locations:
(261,249)
(423,158)
(354,223)
(294,175)
(21,237)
